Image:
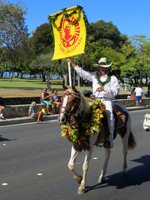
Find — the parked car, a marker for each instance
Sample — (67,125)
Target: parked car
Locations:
(146,123)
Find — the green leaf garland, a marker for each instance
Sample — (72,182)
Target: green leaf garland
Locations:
(64,13)
(96,115)
(104,82)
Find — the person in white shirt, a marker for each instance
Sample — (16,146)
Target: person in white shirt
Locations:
(105,87)
(138,94)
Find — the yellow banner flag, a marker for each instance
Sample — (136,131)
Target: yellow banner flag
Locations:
(69,32)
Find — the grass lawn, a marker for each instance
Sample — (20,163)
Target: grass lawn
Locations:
(26,87)
(21,87)
(32,87)
(22,83)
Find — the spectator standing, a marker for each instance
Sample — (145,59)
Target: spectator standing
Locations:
(138,95)
(46,99)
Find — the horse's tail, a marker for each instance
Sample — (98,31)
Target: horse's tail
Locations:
(131,141)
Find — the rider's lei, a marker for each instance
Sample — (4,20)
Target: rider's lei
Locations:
(97,109)
(104,82)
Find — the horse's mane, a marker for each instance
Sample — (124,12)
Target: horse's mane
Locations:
(85,106)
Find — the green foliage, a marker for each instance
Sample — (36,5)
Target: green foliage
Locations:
(13,36)
(41,64)
(12,25)
(42,40)
(106,33)
(19,52)
(65,14)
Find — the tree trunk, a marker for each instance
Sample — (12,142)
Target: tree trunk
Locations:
(48,82)
(43,78)
(65,79)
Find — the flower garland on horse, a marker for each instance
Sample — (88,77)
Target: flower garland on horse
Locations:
(90,125)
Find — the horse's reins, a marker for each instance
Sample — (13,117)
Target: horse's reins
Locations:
(74,108)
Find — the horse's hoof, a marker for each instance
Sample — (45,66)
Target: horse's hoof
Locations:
(81,191)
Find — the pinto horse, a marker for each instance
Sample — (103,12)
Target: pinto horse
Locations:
(74,110)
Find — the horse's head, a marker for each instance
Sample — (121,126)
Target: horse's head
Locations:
(70,104)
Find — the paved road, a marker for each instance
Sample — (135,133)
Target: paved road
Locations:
(33,165)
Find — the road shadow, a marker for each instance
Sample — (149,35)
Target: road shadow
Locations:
(2,139)
(135,176)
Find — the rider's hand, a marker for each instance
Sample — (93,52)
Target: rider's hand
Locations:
(100,89)
(73,64)
(69,60)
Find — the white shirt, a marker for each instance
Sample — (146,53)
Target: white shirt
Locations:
(111,89)
(138,91)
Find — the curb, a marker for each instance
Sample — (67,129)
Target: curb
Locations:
(138,108)
(23,120)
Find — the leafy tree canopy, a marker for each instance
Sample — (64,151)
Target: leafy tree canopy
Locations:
(42,39)
(13,30)
(106,33)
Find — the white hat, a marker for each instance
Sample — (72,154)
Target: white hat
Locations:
(103,63)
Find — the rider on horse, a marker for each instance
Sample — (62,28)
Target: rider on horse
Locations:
(105,87)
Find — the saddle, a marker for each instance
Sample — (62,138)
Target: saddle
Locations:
(121,118)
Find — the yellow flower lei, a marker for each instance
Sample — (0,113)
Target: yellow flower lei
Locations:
(97,109)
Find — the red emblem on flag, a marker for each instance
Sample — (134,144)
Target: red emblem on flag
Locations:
(69,31)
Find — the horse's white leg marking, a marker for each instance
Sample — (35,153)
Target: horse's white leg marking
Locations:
(71,163)
(85,167)
(104,169)
(125,145)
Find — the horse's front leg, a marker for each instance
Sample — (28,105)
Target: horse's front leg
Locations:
(71,164)
(104,170)
(85,167)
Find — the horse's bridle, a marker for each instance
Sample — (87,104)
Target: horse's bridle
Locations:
(75,106)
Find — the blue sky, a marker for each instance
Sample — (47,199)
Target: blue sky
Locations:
(131,17)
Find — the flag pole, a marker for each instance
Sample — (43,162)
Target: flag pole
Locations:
(69,73)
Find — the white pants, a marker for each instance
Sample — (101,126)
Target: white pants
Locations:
(109,114)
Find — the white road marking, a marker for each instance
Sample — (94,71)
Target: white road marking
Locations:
(95,158)
(4,184)
(39,174)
